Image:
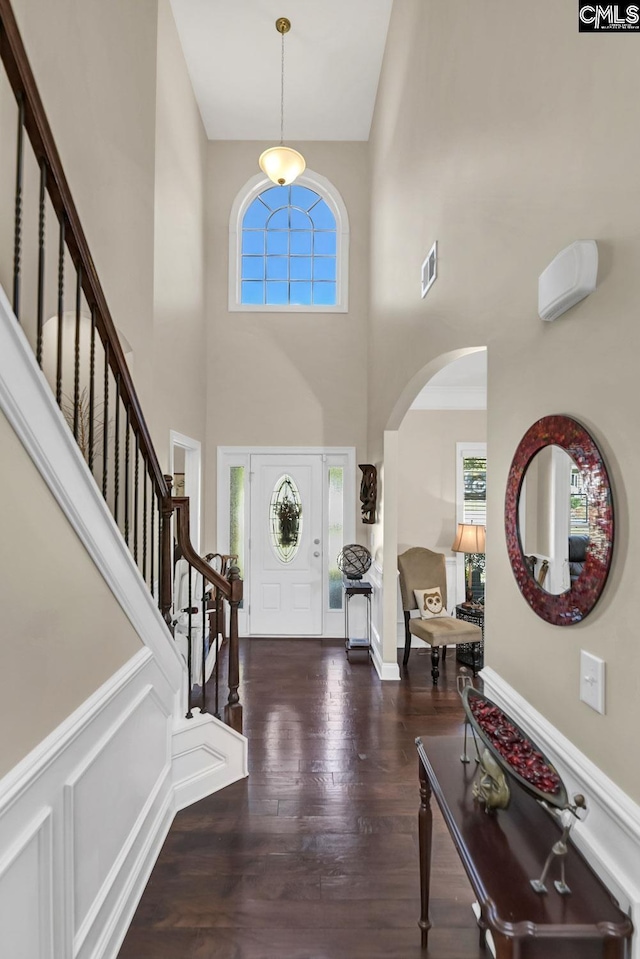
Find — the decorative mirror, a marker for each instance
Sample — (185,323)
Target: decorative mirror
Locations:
(559,520)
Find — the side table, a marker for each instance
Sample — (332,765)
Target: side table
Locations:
(501,852)
(351,588)
(464,651)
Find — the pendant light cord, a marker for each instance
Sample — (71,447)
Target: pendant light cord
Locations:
(282,93)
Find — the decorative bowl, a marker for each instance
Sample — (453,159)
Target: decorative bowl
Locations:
(513,749)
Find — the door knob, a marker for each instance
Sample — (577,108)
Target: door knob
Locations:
(316,553)
(316,542)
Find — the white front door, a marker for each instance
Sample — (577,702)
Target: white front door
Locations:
(286,545)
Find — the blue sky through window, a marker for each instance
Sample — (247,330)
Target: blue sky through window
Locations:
(289,249)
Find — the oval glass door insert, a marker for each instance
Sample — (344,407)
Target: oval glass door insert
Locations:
(285,516)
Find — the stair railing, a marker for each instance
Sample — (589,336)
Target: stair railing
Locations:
(225,589)
(72,333)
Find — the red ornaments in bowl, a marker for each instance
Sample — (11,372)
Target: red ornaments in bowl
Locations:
(513,749)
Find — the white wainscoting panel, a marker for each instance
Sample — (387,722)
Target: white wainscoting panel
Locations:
(91,807)
(114,771)
(26,888)
(610,836)
(95,785)
(207,755)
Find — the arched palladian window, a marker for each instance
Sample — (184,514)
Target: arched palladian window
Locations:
(289,247)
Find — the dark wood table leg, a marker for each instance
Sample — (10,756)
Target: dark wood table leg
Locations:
(425,832)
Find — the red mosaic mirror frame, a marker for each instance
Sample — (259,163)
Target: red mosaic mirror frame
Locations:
(576,603)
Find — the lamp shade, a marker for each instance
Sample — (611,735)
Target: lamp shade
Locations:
(282,164)
(469,539)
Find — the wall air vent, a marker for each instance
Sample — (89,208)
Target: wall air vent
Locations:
(429,269)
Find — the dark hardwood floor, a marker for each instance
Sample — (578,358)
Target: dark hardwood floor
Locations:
(314,856)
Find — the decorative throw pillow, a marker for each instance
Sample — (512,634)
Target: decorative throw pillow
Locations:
(429,602)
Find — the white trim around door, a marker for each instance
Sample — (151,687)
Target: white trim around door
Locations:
(192,478)
(233,519)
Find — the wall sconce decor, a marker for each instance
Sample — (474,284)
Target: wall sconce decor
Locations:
(368,492)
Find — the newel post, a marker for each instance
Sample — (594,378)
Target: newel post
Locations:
(166,585)
(233,709)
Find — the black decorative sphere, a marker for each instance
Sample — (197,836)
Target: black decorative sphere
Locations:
(354,560)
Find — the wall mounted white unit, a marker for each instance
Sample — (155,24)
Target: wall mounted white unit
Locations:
(570,276)
(429,269)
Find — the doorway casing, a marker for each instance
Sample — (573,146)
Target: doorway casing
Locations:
(192,478)
(240,456)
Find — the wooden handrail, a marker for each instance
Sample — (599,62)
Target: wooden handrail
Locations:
(230,589)
(20,75)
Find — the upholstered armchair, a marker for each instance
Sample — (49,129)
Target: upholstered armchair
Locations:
(424,571)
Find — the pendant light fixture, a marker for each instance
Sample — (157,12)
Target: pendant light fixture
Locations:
(282,164)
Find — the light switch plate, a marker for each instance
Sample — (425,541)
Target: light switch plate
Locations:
(592,681)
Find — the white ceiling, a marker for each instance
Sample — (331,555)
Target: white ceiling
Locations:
(462,385)
(333,55)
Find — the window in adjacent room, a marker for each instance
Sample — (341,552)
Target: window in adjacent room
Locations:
(472,503)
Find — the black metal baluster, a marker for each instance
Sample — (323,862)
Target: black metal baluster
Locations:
(152,539)
(145,507)
(105,421)
(116,453)
(189,654)
(92,387)
(216,667)
(159,508)
(17,234)
(135,501)
(76,359)
(204,652)
(127,448)
(41,258)
(60,313)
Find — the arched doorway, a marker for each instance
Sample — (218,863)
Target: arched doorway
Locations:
(395,489)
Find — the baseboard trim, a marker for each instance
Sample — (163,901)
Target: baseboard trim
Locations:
(610,837)
(386,671)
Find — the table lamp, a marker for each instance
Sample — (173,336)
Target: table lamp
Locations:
(469,539)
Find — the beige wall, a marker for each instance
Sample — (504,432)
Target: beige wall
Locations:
(505,138)
(64,634)
(132,143)
(179,275)
(296,379)
(95,66)
(427,474)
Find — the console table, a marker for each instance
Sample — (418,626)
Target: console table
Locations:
(501,852)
